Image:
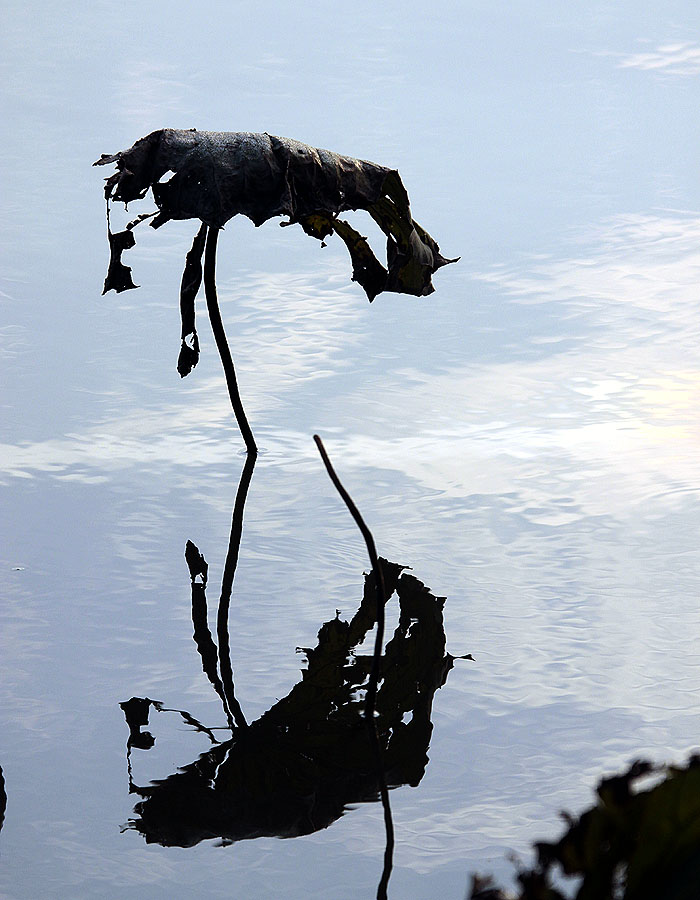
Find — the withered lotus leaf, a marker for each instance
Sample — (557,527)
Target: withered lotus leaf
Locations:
(218,175)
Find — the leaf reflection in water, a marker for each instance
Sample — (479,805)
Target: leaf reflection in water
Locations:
(301,764)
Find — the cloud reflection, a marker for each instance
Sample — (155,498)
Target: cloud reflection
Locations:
(680,58)
(600,391)
(675,58)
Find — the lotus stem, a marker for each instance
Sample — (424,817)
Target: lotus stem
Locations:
(217,326)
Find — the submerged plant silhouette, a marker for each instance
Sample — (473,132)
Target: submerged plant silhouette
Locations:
(215,176)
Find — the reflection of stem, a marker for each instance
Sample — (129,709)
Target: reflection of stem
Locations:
(220,337)
(226,588)
(206,646)
(3,798)
(371,695)
(371,550)
(219,660)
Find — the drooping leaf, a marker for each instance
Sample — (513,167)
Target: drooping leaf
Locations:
(218,175)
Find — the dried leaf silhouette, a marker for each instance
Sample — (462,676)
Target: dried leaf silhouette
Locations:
(219,175)
(214,176)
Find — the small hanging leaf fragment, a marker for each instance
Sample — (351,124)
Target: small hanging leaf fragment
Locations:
(191,281)
(119,275)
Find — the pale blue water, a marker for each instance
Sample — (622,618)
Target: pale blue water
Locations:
(526,438)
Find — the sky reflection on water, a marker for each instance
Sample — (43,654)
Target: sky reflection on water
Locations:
(526,437)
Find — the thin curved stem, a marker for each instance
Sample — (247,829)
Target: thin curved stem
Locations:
(217,326)
(234,545)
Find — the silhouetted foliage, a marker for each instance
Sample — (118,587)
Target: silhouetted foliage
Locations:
(298,767)
(633,844)
(214,175)
(218,175)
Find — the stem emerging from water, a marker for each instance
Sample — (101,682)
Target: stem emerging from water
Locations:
(217,326)
(371,695)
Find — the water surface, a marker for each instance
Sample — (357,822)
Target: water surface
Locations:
(525,439)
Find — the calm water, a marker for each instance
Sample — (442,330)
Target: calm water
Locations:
(526,439)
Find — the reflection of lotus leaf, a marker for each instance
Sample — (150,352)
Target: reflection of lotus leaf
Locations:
(298,767)
(218,175)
